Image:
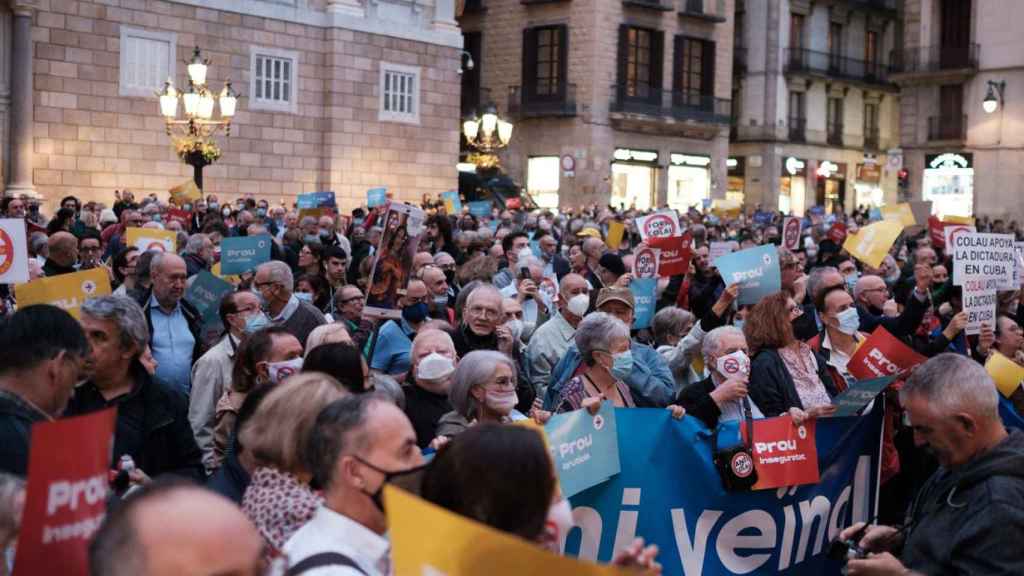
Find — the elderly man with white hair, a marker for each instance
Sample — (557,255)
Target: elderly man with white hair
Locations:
(175,325)
(426,393)
(275,286)
(723,394)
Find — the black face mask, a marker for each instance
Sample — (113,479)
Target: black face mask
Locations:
(409,480)
(449,276)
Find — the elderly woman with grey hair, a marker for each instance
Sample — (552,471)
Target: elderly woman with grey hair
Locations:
(483,390)
(603,344)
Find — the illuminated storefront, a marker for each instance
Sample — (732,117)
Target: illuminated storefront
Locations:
(867,188)
(689,181)
(793,186)
(736,189)
(949,183)
(831,185)
(634,178)
(542,183)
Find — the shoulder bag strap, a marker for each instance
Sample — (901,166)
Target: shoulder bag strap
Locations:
(321,560)
(750,423)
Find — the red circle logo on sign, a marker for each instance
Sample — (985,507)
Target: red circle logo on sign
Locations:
(742,465)
(731,366)
(792,233)
(644,264)
(156,246)
(659,226)
(6,252)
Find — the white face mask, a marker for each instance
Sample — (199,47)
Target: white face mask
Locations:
(501,401)
(849,321)
(559,522)
(516,327)
(278,371)
(434,367)
(578,305)
(735,365)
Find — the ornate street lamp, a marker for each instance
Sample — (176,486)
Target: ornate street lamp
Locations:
(192,136)
(488,133)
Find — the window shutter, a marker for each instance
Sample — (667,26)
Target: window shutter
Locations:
(563,61)
(708,73)
(677,64)
(657,65)
(529,89)
(623,63)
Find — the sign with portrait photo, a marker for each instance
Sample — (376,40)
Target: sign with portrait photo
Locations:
(392,260)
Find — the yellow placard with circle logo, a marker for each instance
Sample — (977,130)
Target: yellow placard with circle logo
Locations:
(146,239)
(67,291)
(871,243)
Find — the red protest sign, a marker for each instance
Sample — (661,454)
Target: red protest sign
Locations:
(784,454)
(675,255)
(645,263)
(181,216)
(66,496)
(837,233)
(935,227)
(791,232)
(882,354)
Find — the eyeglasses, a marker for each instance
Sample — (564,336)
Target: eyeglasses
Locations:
(878,289)
(503,383)
(264,285)
(486,313)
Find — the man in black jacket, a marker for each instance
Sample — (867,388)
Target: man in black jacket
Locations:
(152,416)
(969,516)
(723,394)
(43,350)
(871,294)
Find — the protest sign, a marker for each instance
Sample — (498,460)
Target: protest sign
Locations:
(243,253)
(858,394)
(376,197)
(980,306)
(983,262)
(645,263)
(392,263)
(1006,373)
(66,495)
(452,202)
(837,233)
(901,213)
(615,231)
(315,200)
(762,218)
(644,295)
(882,354)
(13,251)
(661,224)
(66,291)
(232,278)
(952,219)
(1018,250)
(921,210)
(784,453)
(935,232)
(180,216)
(146,239)
(718,249)
(726,208)
(315,212)
(480,208)
(755,269)
(871,243)
(951,230)
(791,226)
(185,192)
(669,492)
(584,448)
(459,546)
(674,254)
(205,295)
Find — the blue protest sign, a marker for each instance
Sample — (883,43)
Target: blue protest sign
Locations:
(643,290)
(817,210)
(875,214)
(669,492)
(243,253)
(480,208)
(452,202)
(1009,414)
(584,448)
(205,294)
(315,200)
(858,394)
(755,269)
(762,218)
(376,197)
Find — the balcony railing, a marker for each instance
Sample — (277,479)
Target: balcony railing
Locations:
(871,139)
(889,5)
(802,60)
(933,59)
(949,127)
(683,105)
(661,5)
(835,133)
(524,102)
(798,129)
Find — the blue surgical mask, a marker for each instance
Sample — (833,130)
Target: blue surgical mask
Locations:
(187,207)
(256,322)
(849,321)
(622,364)
(304,296)
(851,281)
(738,323)
(261,212)
(212,206)
(309,239)
(156,218)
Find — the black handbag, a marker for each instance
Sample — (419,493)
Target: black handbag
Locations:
(736,465)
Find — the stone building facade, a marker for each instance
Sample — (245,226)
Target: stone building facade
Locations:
(613,101)
(78,77)
(815,110)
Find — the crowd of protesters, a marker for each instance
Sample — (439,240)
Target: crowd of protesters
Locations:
(301,407)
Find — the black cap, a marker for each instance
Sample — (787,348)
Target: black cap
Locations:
(612,263)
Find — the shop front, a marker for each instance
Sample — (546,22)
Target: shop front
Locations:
(949,183)
(542,180)
(867,188)
(793,186)
(830,189)
(689,181)
(736,188)
(634,178)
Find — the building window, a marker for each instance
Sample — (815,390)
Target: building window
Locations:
(871,48)
(694,71)
(640,58)
(871,126)
(796,31)
(835,121)
(147,61)
(797,116)
(542,173)
(399,93)
(274,76)
(835,46)
(544,61)
(472,42)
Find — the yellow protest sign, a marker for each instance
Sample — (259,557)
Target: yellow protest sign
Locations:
(871,243)
(67,291)
(726,208)
(314,212)
(215,270)
(185,192)
(146,239)
(1006,373)
(965,220)
(902,213)
(457,546)
(615,232)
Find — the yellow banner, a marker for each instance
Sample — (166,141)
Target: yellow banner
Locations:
(152,239)
(726,208)
(965,220)
(185,192)
(457,546)
(901,213)
(1006,373)
(871,243)
(615,232)
(67,291)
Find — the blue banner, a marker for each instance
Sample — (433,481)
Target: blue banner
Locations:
(644,295)
(1009,415)
(376,197)
(205,294)
(584,448)
(762,218)
(243,253)
(669,492)
(480,208)
(315,200)
(755,269)
(858,394)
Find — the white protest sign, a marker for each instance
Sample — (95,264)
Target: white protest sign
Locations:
(980,308)
(950,230)
(1017,270)
(791,232)
(645,263)
(13,251)
(983,262)
(719,249)
(663,224)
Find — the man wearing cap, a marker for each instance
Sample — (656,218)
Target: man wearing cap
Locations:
(651,381)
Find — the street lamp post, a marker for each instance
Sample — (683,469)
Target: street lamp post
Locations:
(488,133)
(192,136)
